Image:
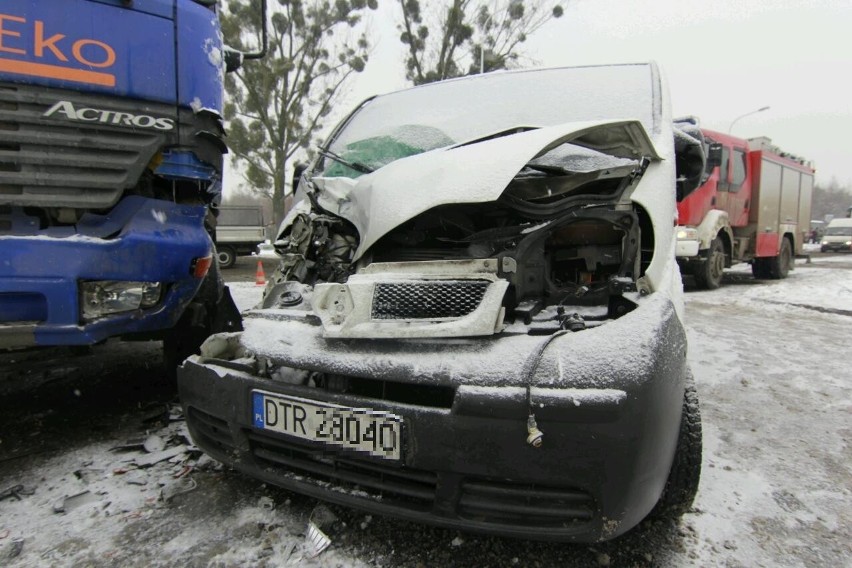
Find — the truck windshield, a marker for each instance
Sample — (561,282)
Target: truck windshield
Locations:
(405,123)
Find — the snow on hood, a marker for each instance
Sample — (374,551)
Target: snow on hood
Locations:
(477,172)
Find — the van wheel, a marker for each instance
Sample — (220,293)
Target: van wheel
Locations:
(682,484)
(779,266)
(227,256)
(708,274)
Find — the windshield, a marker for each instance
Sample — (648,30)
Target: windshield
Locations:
(405,123)
(839,232)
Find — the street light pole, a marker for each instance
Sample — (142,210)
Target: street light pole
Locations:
(745,115)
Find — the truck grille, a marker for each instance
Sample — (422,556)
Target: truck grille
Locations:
(427,300)
(59,162)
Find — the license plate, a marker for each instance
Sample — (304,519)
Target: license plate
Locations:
(372,432)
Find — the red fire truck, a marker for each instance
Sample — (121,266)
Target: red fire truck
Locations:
(755,207)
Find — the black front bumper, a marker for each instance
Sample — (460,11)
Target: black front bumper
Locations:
(607,448)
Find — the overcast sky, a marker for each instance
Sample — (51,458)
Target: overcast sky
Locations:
(722,59)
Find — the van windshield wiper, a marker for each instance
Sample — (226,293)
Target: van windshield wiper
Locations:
(357,166)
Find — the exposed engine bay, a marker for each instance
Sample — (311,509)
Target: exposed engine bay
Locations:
(470,224)
(564,238)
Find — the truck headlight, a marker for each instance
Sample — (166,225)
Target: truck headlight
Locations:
(687,234)
(825,242)
(103,297)
(848,243)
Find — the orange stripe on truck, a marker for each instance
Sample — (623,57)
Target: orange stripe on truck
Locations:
(56,72)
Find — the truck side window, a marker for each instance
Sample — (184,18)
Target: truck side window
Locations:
(723,169)
(739,173)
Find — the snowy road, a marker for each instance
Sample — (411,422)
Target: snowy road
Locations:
(772,365)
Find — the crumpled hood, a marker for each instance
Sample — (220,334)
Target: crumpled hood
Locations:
(477,172)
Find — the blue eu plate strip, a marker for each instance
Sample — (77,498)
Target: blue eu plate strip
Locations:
(257,400)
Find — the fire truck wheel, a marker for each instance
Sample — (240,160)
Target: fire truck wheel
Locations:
(760,268)
(779,266)
(708,274)
(682,484)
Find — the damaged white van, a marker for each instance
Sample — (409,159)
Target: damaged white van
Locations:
(476,321)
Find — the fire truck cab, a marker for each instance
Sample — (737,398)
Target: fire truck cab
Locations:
(754,207)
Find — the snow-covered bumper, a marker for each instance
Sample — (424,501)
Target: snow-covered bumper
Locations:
(143,252)
(607,400)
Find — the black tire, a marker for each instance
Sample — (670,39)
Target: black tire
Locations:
(682,483)
(226,256)
(708,274)
(760,268)
(779,266)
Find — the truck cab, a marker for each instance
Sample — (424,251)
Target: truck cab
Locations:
(111,154)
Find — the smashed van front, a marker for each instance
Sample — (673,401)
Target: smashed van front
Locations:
(476,319)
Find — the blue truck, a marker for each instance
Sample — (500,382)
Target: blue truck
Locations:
(111,150)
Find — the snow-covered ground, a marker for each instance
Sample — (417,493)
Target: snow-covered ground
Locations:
(108,477)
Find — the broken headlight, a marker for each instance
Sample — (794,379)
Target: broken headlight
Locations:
(104,297)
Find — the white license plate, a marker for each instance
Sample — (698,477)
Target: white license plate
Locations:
(373,432)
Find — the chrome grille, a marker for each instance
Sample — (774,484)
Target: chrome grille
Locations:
(58,162)
(427,300)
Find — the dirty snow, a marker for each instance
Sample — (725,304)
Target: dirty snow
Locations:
(771,364)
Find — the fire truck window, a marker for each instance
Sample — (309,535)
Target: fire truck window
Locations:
(723,169)
(739,173)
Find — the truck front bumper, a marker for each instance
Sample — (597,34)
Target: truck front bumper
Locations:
(140,240)
(608,401)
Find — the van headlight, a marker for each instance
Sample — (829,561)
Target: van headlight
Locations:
(104,297)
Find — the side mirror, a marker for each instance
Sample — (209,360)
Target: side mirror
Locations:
(234,58)
(298,170)
(714,156)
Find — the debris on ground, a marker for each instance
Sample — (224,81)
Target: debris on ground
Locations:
(70,502)
(16,491)
(154,444)
(317,540)
(177,487)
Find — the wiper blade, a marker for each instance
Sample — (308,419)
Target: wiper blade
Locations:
(357,166)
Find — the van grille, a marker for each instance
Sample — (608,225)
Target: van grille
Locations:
(480,500)
(409,488)
(427,300)
(524,504)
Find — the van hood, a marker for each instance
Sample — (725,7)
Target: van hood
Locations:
(476,171)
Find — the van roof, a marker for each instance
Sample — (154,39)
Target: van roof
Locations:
(842,222)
